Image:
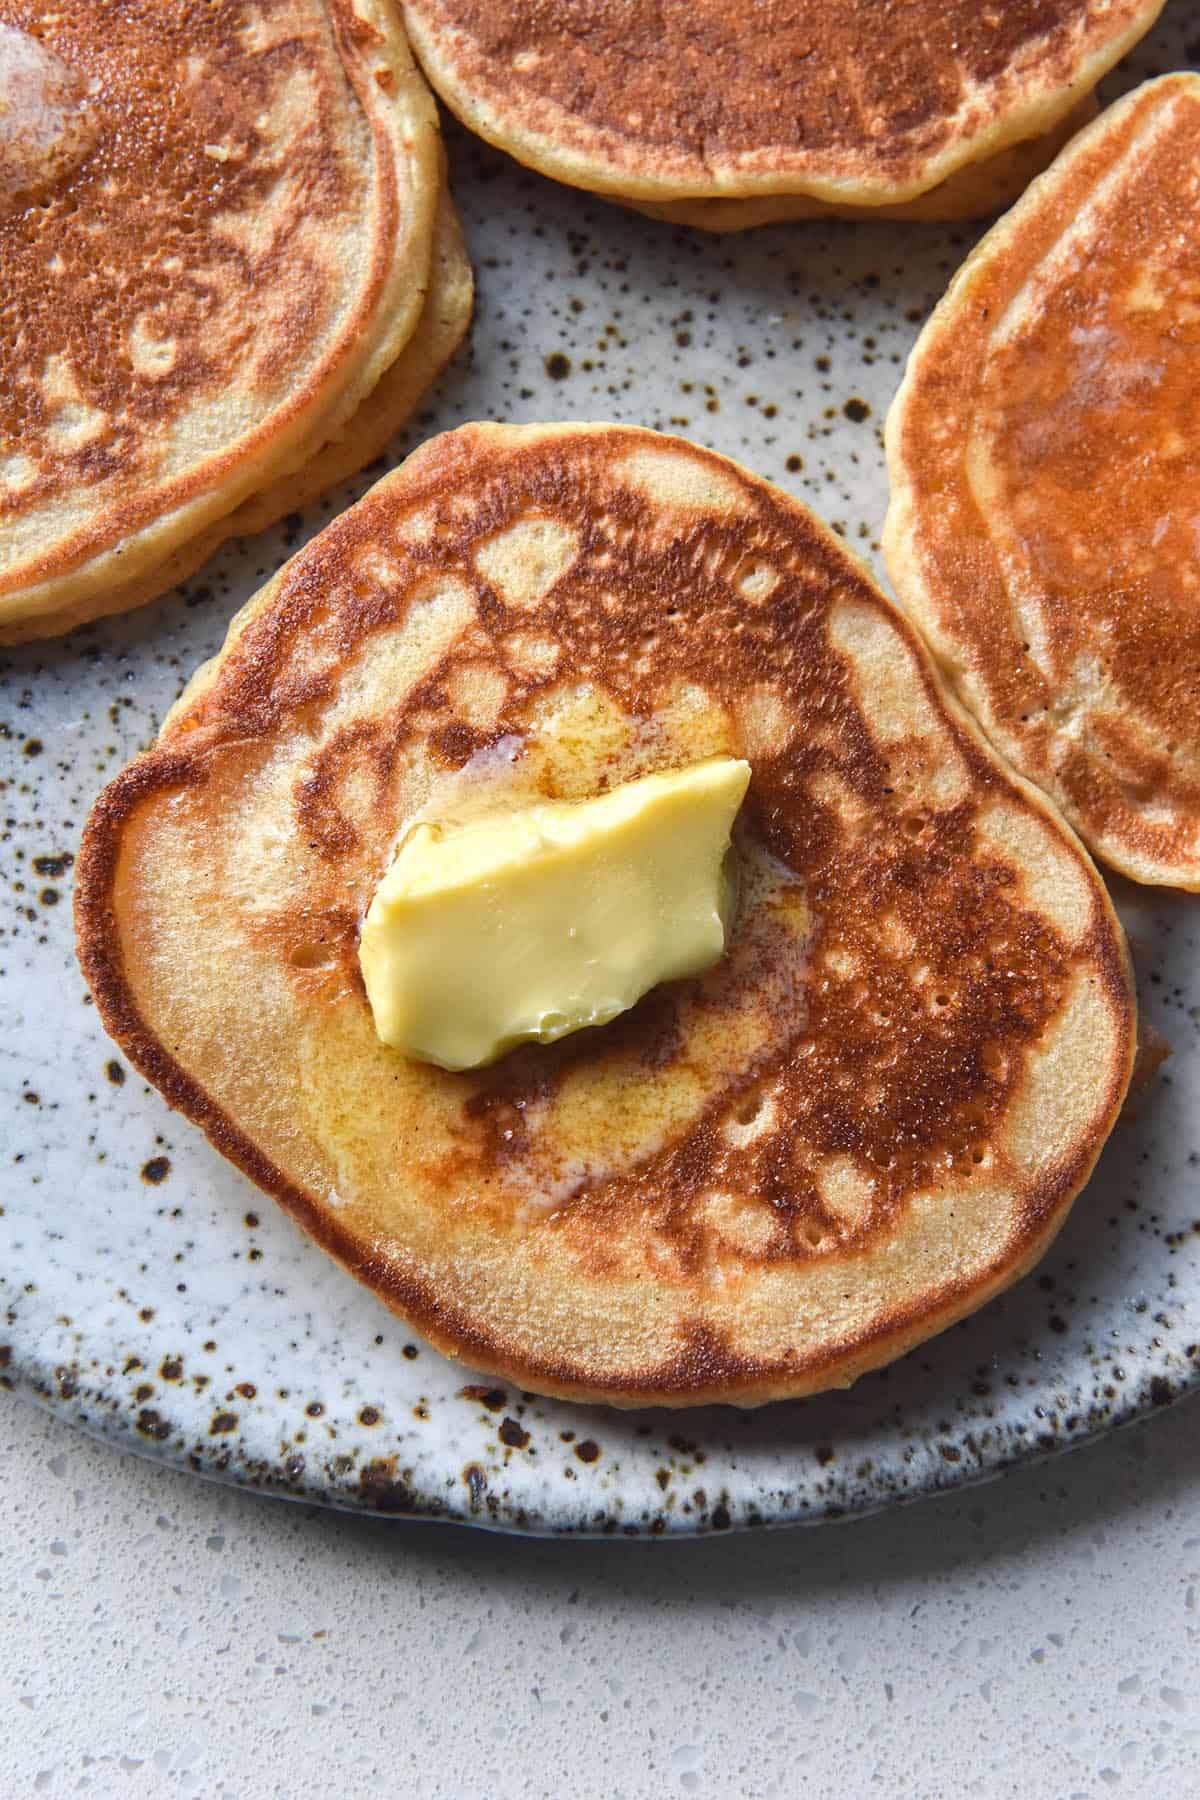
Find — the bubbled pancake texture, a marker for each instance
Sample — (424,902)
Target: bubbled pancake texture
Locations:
(869,1116)
(844,99)
(1046,483)
(215,231)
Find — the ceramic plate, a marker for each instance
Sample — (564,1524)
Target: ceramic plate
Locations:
(153,1297)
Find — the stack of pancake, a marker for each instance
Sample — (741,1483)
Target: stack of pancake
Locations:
(732,113)
(868,1118)
(230,269)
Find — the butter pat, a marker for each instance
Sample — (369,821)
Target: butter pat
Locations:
(531,924)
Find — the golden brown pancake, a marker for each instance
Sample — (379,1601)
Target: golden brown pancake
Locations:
(1045,517)
(215,228)
(972,192)
(870,1117)
(846,101)
(440,329)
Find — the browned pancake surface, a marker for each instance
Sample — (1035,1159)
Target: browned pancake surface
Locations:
(184,192)
(752,1184)
(1047,483)
(700,96)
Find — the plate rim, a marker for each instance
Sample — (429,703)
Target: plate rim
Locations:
(1154,1394)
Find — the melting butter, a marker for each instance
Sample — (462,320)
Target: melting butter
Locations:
(526,925)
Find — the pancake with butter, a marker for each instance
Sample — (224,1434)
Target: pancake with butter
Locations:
(867,1117)
(842,101)
(1046,484)
(217,228)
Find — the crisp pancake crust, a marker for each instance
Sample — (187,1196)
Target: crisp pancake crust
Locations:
(215,232)
(440,329)
(972,192)
(871,1116)
(844,100)
(1046,483)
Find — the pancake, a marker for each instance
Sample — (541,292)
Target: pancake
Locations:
(1046,484)
(216,230)
(844,101)
(440,329)
(972,192)
(868,1118)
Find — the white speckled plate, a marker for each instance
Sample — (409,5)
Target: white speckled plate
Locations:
(152,1296)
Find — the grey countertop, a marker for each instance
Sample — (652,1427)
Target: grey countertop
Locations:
(1034,1638)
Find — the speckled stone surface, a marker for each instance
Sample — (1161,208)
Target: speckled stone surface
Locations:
(149,1294)
(1032,1640)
